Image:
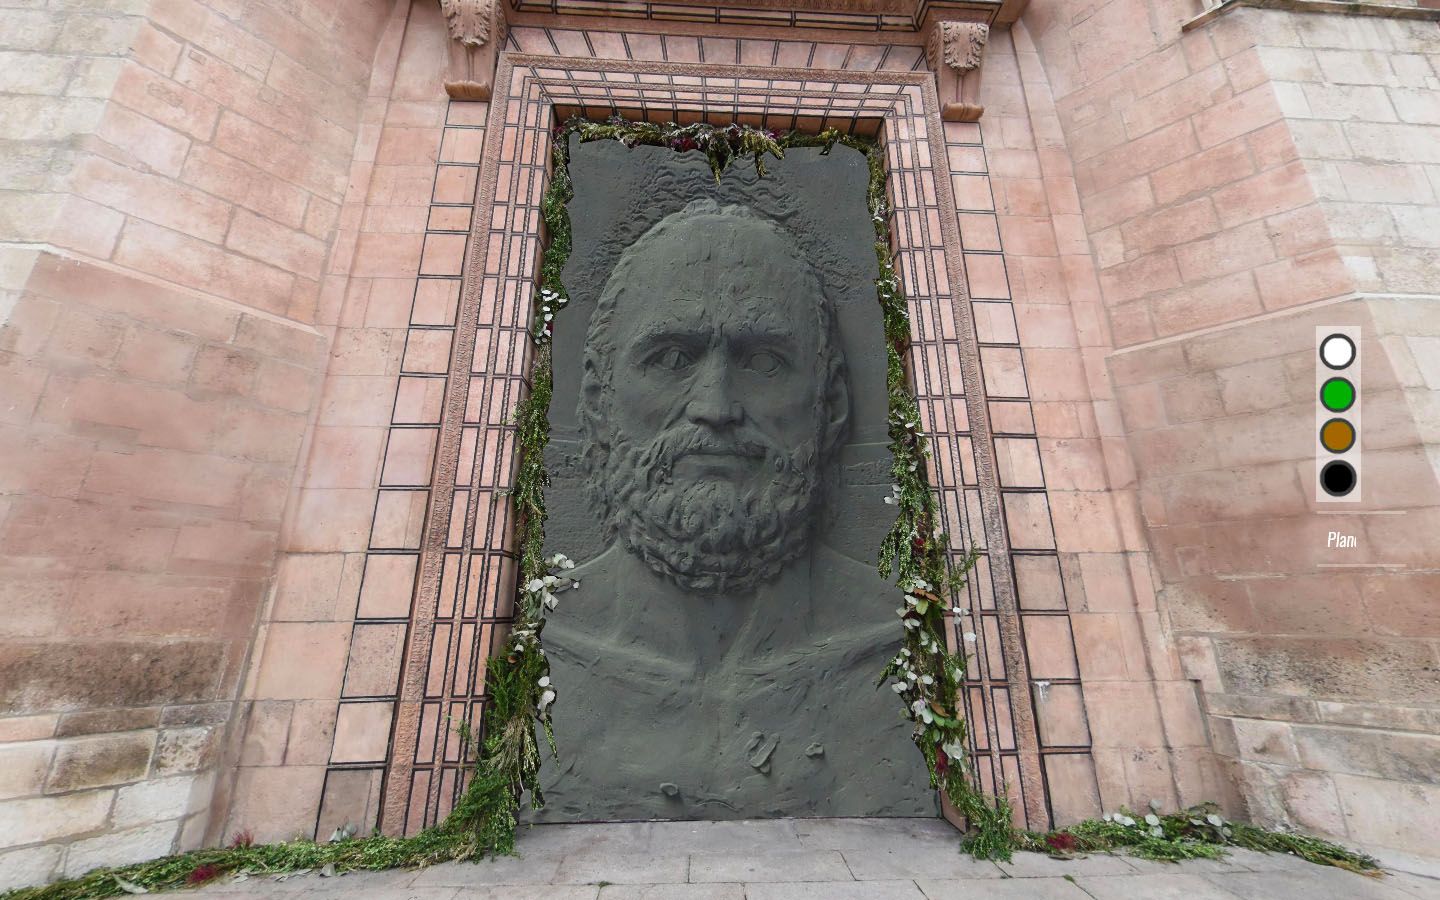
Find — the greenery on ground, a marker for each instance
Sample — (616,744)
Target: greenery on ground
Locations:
(925,673)
(1199,832)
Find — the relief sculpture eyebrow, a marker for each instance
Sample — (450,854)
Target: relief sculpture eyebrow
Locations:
(766,330)
(667,333)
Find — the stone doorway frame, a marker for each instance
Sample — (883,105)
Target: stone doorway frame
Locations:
(466,582)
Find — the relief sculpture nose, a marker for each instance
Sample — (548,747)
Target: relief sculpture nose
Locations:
(711,401)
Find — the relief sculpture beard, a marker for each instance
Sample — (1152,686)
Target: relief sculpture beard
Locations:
(723,495)
(719,661)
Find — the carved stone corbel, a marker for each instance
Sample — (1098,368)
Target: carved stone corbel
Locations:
(478,29)
(954,52)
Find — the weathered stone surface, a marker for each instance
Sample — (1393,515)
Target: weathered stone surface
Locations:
(1330,668)
(1385,813)
(103,721)
(39,819)
(37,676)
(120,848)
(184,750)
(98,761)
(23,767)
(33,865)
(156,800)
(1382,754)
(196,714)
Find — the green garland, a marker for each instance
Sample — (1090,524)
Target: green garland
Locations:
(926,675)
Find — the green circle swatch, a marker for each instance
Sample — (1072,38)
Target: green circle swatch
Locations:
(1338,394)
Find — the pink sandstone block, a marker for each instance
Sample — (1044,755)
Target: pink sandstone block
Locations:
(303,660)
(157,146)
(388,584)
(276,803)
(153,95)
(1049,647)
(1270,192)
(331,519)
(373,665)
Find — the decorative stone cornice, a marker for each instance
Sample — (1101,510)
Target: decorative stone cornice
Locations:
(954,51)
(958,45)
(478,30)
(852,15)
(471,20)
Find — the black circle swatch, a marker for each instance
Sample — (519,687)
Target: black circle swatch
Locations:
(1337,478)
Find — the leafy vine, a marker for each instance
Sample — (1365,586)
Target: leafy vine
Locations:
(925,674)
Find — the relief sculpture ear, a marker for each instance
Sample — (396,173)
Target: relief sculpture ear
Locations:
(592,398)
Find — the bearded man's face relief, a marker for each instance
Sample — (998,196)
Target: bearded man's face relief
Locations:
(719,662)
(713,416)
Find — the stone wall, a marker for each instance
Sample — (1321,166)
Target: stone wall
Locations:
(1241,183)
(334,627)
(169,188)
(233,236)
(1141,714)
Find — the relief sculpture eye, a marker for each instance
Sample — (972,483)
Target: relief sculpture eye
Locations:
(670,359)
(764,362)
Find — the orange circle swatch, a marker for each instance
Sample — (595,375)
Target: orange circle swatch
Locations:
(1337,435)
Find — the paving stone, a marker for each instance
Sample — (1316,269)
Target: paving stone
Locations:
(292,885)
(532,840)
(1415,885)
(1323,884)
(1008,889)
(765,865)
(399,892)
(876,834)
(1256,861)
(592,867)
(716,837)
(560,839)
(822,890)
(505,892)
(526,869)
(1038,865)
(673,892)
(1153,887)
(936,862)
(259,893)
(1189,866)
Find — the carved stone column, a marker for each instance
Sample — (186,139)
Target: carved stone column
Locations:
(478,29)
(954,52)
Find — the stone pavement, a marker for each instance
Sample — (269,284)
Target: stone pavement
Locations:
(822,859)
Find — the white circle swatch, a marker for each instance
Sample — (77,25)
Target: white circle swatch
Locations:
(1337,351)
